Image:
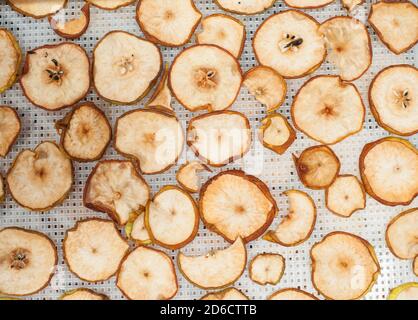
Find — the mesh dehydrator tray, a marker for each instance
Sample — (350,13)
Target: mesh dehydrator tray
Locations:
(277,171)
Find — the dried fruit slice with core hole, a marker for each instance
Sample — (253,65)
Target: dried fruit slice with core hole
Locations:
(344,266)
(27,261)
(137,231)
(225,294)
(216,269)
(267,268)
(245,6)
(10,127)
(161,98)
(110,4)
(350,5)
(307,4)
(187,175)
(71,28)
(276,133)
(147,274)
(37,9)
(406,291)
(83,294)
(389,170)
(94,249)
(292,294)
(10,61)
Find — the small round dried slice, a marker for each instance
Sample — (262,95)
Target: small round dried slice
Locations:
(11,57)
(393,97)
(307,4)
(350,5)
(328,110)
(172,218)
(110,4)
(147,274)
(234,204)
(216,269)
(205,77)
(71,28)
(247,7)
(344,266)
(276,133)
(94,249)
(292,294)
(161,98)
(406,291)
(37,9)
(290,43)
(219,137)
(389,170)
(137,231)
(152,138)
(267,268)
(187,175)
(10,127)
(125,67)
(56,76)
(27,261)
(115,187)
(83,294)
(85,133)
(225,294)
(40,179)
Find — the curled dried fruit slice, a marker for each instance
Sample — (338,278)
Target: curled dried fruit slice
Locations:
(125,67)
(234,204)
(406,291)
(2,193)
(344,266)
(72,28)
(349,46)
(290,43)
(94,249)
(110,4)
(40,179)
(267,268)
(152,138)
(56,76)
(85,133)
(172,218)
(328,110)
(161,98)
(27,261)
(115,187)
(216,269)
(389,170)
(11,57)
(9,129)
(276,133)
(245,6)
(205,77)
(137,231)
(219,137)
(83,294)
(187,176)
(225,294)
(349,5)
(393,97)
(292,294)
(147,274)
(37,9)
(307,4)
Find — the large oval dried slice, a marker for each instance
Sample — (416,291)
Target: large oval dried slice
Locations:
(152,138)
(406,291)
(37,9)
(187,175)
(72,28)
(83,294)
(205,77)
(328,110)
(219,137)
(292,294)
(10,61)
(276,133)
(27,261)
(267,268)
(245,6)
(110,4)
(225,294)
(307,4)
(40,179)
(389,170)
(234,204)
(9,129)
(56,76)
(125,67)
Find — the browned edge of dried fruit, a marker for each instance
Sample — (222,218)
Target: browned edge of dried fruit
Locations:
(125,4)
(32,16)
(85,10)
(159,87)
(348,10)
(291,289)
(281,148)
(222,292)
(16,45)
(103,296)
(184,186)
(250,268)
(309,7)
(17,134)
(242,13)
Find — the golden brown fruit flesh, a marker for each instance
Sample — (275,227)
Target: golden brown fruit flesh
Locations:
(161,98)
(83,294)
(10,61)
(37,9)
(292,294)
(188,175)
(246,7)
(225,294)
(137,231)
(307,4)
(406,291)
(71,28)
(276,133)
(267,268)
(110,4)
(10,127)
(350,5)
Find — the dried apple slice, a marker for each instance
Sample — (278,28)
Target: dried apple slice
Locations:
(83,294)
(137,231)
(10,61)
(247,7)
(115,187)
(219,137)
(147,274)
(125,67)
(37,9)
(234,204)
(110,4)
(267,268)
(172,218)
(56,76)
(216,269)
(344,266)
(406,291)
(345,196)
(393,97)
(349,5)
(40,179)
(328,110)
(290,43)
(187,175)
(10,127)
(94,249)
(307,4)
(72,28)
(276,134)
(161,98)
(349,46)
(396,24)
(205,77)
(389,170)
(225,294)
(224,31)
(153,139)
(292,294)
(27,261)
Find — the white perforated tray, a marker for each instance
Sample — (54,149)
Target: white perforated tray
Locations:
(277,171)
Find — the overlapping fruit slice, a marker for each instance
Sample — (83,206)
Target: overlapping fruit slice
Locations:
(71,28)
(187,175)
(9,129)
(137,231)
(110,4)
(307,4)
(37,9)
(292,294)
(10,61)
(161,98)
(350,5)
(83,294)
(225,294)
(267,268)
(276,133)
(245,6)
(406,291)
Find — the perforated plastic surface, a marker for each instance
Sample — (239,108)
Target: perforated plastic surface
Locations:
(277,171)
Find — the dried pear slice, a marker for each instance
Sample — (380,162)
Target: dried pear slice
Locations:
(37,9)
(40,179)
(27,261)
(153,139)
(290,43)
(349,5)
(216,269)
(110,4)
(116,188)
(10,127)
(396,24)
(147,274)
(406,291)
(172,218)
(307,4)
(72,28)
(56,76)
(349,46)
(83,294)
(125,67)
(10,61)
(225,294)
(389,170)
(246,7)
(276,133)
(267,268)
(234,204)
(328,110)
(205,77)
(187,175)
(168,23)
(2,192)
(94,249)
(137,231)
(219,137)
(292,294)
(161,98)
(393,97)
